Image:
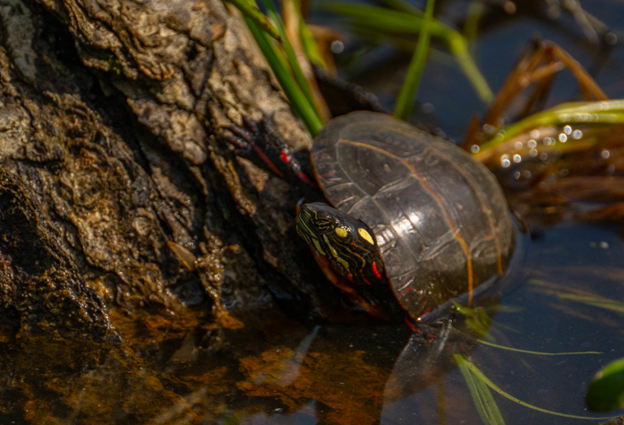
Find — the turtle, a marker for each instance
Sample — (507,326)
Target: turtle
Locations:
(411,223)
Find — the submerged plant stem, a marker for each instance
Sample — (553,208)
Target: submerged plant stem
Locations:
(462,362)
(481,395)
(539,353)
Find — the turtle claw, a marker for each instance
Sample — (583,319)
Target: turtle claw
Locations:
(258,142)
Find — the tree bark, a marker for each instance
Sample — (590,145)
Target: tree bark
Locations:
(115,177)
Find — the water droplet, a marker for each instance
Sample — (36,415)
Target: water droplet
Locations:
(427,108)
(517,175)
(577,134)
(526,174)
(517,158)
(611,38)
(505,161)
(518,145)
(564,172)
(510,7)
(553,11)
(605,154)
(531,143)
(337,46)
(488,128)
(549,141)
(604,245)
(543,156)
(475,148)
(535,134)
(533,153)
(563,138)
(567,130)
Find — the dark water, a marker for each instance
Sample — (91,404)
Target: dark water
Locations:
(567,295)
(278,371)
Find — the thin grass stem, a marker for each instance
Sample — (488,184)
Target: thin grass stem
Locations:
(409,89)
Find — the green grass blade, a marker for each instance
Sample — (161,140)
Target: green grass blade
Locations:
(280,67)
(459,47)
(584,297)
(409,90)
(474,15)
(386,20)
(539,353)
(307,39)
(309,45)
(396,22)
(402,6)
(251,11)
(599,112)
(481,395)
(292,57)
(479,375)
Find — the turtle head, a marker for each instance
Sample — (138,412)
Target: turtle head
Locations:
(347,251)
(348,245)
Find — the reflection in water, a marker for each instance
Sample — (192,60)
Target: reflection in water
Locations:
(288,367)
(172,370)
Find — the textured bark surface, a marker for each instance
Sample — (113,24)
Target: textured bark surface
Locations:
(112,119)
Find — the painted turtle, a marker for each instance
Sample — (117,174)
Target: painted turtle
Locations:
(413,218)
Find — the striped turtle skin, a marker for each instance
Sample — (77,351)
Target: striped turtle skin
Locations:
(440,218)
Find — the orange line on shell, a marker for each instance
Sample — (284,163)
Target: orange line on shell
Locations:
(456,235)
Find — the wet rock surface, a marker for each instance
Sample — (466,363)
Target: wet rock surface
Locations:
(112,119)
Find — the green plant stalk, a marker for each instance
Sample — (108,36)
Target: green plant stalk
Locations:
(390,21)
(481,395)
(600,112)
(475,12)
(409,90)
(387,20)
(291,56)
(539,353)
(251,11)
(494,415)
(459,47)
(307,39)
(402,6)
(569,294)
(479,375)
(278,64)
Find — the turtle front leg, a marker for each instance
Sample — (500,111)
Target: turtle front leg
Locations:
(259,143)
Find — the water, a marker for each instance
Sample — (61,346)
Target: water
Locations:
(279,371)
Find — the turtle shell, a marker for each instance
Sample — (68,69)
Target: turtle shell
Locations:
(439,217)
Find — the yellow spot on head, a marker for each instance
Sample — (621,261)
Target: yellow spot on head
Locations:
(341,231)
(364,234)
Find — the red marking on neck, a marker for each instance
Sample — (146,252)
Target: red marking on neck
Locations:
(285,157)
(379,276)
